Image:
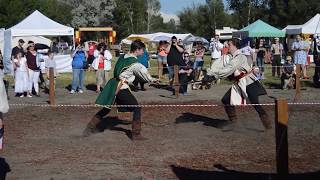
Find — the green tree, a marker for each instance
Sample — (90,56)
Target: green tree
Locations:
(13,11)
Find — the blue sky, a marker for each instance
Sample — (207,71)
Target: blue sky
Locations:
(174,6)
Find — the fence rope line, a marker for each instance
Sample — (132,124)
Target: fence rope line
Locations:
(150,105)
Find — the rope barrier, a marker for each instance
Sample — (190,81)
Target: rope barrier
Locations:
(153,105)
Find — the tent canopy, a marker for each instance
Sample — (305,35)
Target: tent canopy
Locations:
(151,37)
(259,29)
(310,27)
(37,24)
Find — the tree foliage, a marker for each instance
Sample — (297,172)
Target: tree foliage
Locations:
(13,11)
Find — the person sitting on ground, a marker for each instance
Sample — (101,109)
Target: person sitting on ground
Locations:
(185,73)
(287,76)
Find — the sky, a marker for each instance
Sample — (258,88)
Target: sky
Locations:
(174,6)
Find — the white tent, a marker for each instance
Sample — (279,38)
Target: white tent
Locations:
(1,39)
(35,24)
(310,27)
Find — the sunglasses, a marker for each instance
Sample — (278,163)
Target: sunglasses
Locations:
(186,56)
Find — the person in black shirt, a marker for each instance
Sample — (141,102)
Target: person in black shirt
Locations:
(174,57)
(18,49)
(185,73)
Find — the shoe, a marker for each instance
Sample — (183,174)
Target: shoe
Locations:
(72,91)
(29,96)
(80,91)
(38,95)
(143,89)
(229,126)
(22,96)
(138,137)
(92,127)
(266,122)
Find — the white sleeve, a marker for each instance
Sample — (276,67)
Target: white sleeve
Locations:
(96,53)
(107,55)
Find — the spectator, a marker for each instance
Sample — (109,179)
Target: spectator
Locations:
(4,107)
(261,52)
(21,76)
(277,51)
(300,49)
(185,73)
(6,83)
(198,63)
(162,58)
(174,57)
(63,46)
(102,65)
(50,63)
(248,51)
(144,60)
(78,62)
(54,47)
(42,63)
(215,48)
(92,48)
(33,69)
(18,48)
(287,76)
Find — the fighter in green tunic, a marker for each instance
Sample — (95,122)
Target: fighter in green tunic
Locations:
(117,90)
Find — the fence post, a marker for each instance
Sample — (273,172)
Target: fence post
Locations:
(176,80)
(298,83)
(51,87)
(281,127)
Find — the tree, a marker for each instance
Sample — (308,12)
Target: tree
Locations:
(13,11)
(153,8)
(202,20)
(92,12)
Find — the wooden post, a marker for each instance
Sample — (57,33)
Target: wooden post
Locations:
(298,83)
(51,87)
(281,127)
(176,80)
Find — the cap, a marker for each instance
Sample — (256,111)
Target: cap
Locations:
(174,37)
(276,38)
(21,41)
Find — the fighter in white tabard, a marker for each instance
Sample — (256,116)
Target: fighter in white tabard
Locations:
(245,86)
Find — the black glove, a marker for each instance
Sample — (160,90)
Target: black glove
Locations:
(208,79)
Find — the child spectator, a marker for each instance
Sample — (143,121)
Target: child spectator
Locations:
(21,77)
(50,63)
(287,77)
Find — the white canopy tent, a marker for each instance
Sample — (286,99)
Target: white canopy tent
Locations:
(1,39)
(310,27)
(36,24)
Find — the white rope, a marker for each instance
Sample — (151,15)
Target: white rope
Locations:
(152,105)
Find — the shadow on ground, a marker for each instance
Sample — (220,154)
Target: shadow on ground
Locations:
(111,123)
(207,121)
(223,173)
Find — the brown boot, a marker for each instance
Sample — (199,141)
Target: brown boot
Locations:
(136,131)
(231,112)
(265,121)
(92,126)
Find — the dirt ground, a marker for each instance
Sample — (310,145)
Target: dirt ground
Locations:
(183,143)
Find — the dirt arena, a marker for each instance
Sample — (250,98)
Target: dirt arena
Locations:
(183,142)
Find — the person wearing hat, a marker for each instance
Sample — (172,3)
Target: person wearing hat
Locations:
(287,76)
(277,51)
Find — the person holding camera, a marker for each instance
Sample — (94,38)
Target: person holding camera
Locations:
(215,48)
(79,60)
(174,51)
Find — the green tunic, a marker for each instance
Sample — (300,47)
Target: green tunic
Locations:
(107,96)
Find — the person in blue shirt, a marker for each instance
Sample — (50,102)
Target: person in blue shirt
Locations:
(144,60)
(78,63)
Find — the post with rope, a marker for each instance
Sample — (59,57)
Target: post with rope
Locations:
(176,80)
(298,83)
(51,87)
(281,128)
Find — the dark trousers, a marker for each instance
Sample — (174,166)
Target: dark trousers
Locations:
(124,97)
(6,85)
(253,98)
(184,79)
(136,82)
(276,62)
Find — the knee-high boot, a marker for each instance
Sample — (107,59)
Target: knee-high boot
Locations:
(92,126)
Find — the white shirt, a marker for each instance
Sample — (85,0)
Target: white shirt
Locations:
(216,48)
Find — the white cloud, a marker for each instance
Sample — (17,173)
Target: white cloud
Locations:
(166,17)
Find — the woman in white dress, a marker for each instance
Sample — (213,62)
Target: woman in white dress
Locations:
(4,107)
(21,76)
